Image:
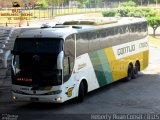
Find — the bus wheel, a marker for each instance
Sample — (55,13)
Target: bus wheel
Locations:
(135,71)
(81,93)
(130,72)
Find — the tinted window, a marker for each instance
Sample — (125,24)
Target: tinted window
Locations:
(69,57)
(36,62)
(66,69)
(144,26)
(94,42)
(69,46)
(82,43)
(38,45)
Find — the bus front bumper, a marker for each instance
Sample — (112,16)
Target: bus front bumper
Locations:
(37,98)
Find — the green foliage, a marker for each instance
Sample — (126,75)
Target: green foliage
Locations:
(147,12)
(109,13)
(124,11)
(135,12)
(154,22)
(42,4)
(128,4)
(145,1)
(130,12)
(87,3)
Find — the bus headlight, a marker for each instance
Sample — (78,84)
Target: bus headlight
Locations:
(58,99)
(14,97)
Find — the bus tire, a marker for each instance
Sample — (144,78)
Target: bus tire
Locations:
(81,93)
(129,73)
(135,71)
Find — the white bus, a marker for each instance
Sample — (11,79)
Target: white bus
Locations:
(56,64)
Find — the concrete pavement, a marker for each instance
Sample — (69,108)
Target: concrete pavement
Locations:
(7,38)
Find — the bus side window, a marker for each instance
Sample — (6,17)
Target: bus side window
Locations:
(133,32)
(94,43)
(66,68)
(103,38)
(140,36)
(82,44)
(69,46)
(144,29)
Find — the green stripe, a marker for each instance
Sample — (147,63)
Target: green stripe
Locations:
(98,68)
(105,64)
(101,67)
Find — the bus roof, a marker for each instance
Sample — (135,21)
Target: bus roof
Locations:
(70,27)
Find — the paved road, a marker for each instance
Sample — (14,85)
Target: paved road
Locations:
(140,95)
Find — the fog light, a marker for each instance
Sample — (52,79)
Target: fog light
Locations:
(14,98)
(58,99)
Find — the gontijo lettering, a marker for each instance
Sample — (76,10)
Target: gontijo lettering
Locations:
(130,49)
(126,49)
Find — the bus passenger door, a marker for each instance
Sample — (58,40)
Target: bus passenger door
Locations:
(68,78)
(69,86)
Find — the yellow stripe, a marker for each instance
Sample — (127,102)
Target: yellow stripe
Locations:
(119,67)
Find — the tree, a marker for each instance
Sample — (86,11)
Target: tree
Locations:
(145,1)
(42,4)
(136,12)
(58,2)
(128,4)
(109,13)
(154,22)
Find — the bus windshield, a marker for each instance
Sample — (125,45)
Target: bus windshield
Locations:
(36,59)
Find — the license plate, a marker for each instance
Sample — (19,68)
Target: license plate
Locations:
(34,99)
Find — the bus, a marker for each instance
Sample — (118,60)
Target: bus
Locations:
(65,61)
